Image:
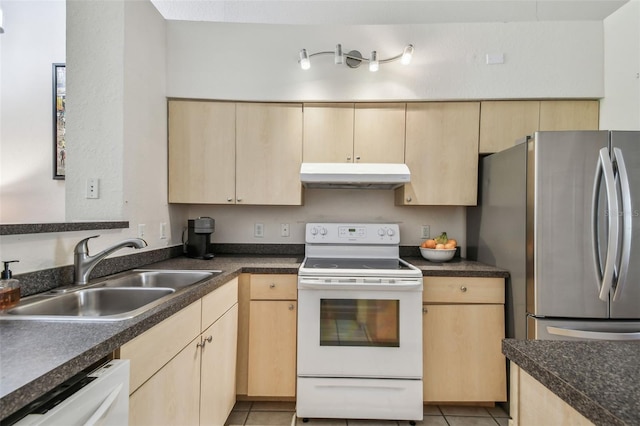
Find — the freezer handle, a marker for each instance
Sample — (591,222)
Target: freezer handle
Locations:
(595,335)
(612,209)
(627,225)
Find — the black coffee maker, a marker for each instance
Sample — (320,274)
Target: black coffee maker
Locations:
(199,237)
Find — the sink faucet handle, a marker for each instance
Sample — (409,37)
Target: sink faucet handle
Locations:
(82,246)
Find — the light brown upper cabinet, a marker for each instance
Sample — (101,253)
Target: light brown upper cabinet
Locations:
(569,115)
(347,133)
(442,154)
(235,153)
(268,153)
(502,123)
(202,152)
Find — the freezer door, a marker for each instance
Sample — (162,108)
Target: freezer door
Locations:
(549,329)
(561,270)
(625,297)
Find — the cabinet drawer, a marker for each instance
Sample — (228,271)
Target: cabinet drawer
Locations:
(463,290)
(219,301)
(151,350)
(274,287)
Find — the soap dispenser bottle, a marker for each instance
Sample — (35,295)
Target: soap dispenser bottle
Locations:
(9,288)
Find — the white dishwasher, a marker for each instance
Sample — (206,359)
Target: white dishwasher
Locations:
(100,397)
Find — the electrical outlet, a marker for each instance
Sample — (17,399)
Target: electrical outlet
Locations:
(426,232)
(93,188)
(163,231)
(141,227)
(258,230)
(284,229)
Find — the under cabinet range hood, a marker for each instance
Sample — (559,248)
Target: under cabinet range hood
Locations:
(354,175)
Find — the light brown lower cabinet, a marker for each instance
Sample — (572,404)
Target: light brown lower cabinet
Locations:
(463,327)
(532,404)
(272,336)
(195,383)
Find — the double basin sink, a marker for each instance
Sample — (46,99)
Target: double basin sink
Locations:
(119,297)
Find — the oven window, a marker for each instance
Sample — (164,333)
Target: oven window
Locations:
(359,322)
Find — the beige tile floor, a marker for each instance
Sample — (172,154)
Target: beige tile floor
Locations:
(283,414)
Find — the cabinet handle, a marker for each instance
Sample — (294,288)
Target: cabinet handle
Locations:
(291,307)
(272,285)
(357,158)
(463,289)
(408,199)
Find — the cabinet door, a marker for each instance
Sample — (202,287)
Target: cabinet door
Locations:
(272,348)
(218,380)
(442,154)
(328,133)
(269,153)
(378,134)
(569,115)
(502,123)
(172,395)
(201,152)
(463,359)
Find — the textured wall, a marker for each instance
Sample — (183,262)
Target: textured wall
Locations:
(259,62)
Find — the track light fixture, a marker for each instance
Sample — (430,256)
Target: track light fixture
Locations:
(353,58)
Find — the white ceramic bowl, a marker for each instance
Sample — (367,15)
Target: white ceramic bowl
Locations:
(435,255)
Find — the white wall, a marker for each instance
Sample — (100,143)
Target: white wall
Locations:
(620,109)
(33,40)
(259,62)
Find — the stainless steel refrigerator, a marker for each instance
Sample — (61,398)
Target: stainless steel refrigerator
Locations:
(561,212)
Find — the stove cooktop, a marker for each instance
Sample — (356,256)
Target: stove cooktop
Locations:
(357,264)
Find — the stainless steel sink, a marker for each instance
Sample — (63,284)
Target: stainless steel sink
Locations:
(115,298)
(99,303)
(159,278)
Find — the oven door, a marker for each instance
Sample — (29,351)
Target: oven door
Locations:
(360,329)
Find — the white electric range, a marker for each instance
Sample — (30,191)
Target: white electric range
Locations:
(359,325)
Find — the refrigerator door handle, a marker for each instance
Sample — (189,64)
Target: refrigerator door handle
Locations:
(612,243)
(627,226)
(595,335)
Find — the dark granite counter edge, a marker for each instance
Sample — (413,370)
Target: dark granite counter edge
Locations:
(41,228)
(565,391)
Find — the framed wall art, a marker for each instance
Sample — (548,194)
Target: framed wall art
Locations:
(59,141)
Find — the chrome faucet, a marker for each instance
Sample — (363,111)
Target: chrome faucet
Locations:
(84,263)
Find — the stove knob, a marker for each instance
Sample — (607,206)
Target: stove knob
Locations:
(381,232)
(390,232)
(323,231)
(314,231)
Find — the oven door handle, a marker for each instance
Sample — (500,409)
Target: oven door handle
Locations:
(313,285)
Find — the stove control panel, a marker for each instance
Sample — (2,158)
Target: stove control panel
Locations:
(353,233)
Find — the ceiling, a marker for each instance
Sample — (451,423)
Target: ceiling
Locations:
(389,12)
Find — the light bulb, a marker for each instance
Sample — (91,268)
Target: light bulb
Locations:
(338,58)
(373,62)
(305,64)
(407,54)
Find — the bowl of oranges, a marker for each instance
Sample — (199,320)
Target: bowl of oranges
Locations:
(439,249)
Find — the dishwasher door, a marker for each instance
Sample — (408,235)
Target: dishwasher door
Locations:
(99,398)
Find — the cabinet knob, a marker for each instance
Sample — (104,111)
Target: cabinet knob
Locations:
(200,345)
(348,158)
(357,158)
(425,310)
(463,289)
(408,199)
(239,200)
(229,199)
(291,307)
(272,285)
(209,339)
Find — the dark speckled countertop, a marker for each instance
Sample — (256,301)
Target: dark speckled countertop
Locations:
(600,379)
(36,356)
